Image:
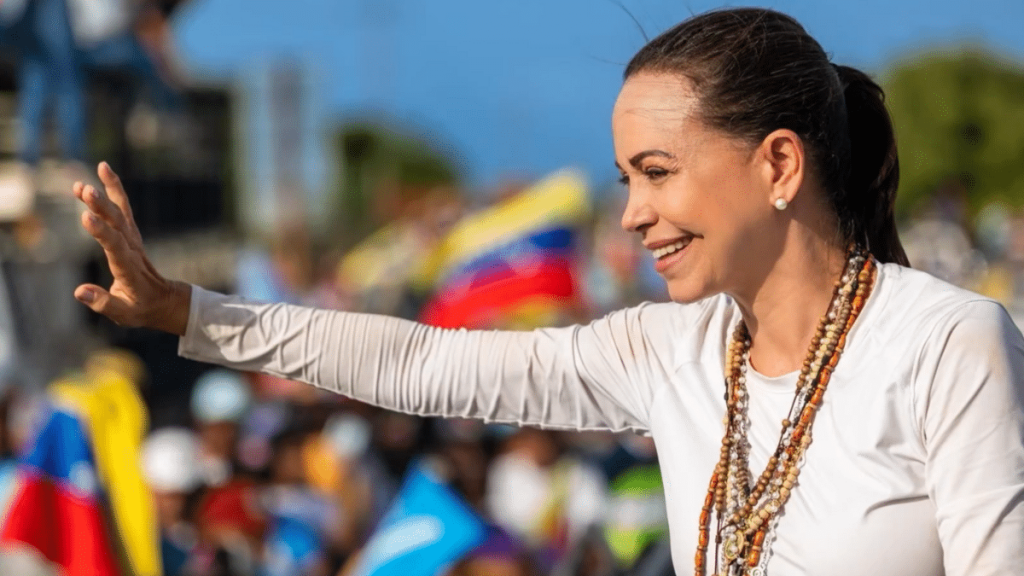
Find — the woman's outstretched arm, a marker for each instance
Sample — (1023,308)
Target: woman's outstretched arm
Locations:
(579,377)
(599,376)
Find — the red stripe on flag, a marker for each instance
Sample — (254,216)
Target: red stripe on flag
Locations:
(487,299)
(68,530)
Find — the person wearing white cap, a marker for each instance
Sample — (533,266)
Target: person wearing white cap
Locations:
(220,399)
(171,467)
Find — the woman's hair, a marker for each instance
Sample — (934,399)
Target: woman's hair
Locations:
(755,71)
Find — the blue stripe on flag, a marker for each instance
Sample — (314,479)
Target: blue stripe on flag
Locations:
(556,242)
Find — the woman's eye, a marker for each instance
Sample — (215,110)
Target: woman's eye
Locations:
(624,180)
(655,173)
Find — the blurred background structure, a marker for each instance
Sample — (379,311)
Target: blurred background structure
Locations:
(446,161)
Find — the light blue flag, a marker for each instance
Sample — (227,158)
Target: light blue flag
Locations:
(427,528)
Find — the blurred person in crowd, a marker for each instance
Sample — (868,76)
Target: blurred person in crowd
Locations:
(231,526)
(938,242)
(305,525)
(636,516)
(543,495)
(468,475)
(107,38)
(612,278)
(256,432)
(465,449)
(589,556)
(220,399)
(279,268)
(49,72)
(338,463)
(627,451)
(325,291)
(170,462)
(992,229)
(501,554)
(397,441)
(762,177)
(57,44)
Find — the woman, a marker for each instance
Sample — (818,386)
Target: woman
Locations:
(758,175)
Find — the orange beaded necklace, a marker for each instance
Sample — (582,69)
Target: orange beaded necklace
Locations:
(747,511)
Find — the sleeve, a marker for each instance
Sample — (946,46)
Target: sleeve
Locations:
(970,411)
(594,377)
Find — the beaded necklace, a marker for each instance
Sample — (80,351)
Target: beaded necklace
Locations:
(746,511)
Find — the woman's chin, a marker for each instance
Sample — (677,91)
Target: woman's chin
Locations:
(684,291)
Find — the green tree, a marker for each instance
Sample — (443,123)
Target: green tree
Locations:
(383,166)
(959,118)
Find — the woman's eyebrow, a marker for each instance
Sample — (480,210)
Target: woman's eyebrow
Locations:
(637,158)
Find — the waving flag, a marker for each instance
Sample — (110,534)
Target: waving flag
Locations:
(514,259)
(88,447)
(427,528)
(57,508)
(115,419)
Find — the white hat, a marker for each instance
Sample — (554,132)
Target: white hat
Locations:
(220,395)
(170,460)
(348,435)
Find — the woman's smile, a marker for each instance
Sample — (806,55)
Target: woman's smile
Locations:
(668,254)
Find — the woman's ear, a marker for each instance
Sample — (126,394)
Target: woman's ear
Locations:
(782,154)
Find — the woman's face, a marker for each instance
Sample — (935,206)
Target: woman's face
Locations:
(692,189)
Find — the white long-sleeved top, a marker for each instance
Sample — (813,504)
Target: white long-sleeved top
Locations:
(917,463)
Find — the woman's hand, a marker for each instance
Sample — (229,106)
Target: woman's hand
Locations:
(139,296)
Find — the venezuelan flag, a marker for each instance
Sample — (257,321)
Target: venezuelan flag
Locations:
(57,508)
(514,260)
(115,418)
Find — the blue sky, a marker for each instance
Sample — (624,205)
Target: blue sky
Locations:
(524,87)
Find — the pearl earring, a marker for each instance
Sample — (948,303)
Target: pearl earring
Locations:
(780,204)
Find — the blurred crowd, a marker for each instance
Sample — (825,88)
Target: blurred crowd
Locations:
(981,249)
(277,487)
(55,46)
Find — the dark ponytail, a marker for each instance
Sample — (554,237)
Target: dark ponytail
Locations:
(757,70)
(867,206)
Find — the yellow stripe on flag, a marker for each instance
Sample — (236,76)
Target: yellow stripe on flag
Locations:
(108,400)
(559,198)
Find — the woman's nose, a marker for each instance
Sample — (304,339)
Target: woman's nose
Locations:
(638,215)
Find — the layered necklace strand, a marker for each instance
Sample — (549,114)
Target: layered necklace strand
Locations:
(747,511)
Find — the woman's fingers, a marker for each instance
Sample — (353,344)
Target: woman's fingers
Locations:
(100,205)
(112,204)
(115,191)
(119,253)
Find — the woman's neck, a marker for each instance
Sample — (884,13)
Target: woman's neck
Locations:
(783,313)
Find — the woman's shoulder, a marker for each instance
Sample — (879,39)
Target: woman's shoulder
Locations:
(962,352)
(918,307)
(912,294)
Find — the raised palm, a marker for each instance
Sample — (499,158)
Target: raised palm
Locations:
(139,295)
